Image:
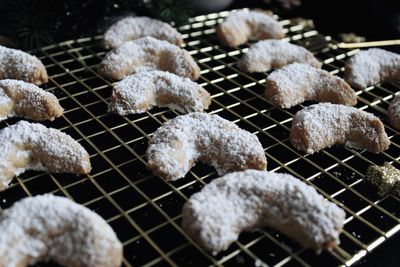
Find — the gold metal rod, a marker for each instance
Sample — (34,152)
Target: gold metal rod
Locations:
(369,44)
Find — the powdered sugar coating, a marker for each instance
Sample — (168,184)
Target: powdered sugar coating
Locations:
(372,66)
(272,54)
(148,53)
(18,98)
(48,227)
(16,64)
(323,125)
(295,83)
(244,25)
(32,146)
(394,112)
(244,201)
(131,28)
(139,92)
(177,145)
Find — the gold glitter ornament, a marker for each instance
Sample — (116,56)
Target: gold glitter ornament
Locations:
(386,178)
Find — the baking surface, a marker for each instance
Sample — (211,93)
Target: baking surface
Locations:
(145,211)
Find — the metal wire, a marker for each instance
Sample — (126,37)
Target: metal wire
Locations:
(369,44)
(145,211)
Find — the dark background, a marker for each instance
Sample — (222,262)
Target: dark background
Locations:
(28,24)
(372,19)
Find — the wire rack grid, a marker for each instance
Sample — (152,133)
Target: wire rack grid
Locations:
(145,211)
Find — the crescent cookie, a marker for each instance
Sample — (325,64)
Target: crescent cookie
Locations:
(131,28)
(272,54)
(32,146)
(16,64)
(139,92)
(323,125)
(52,228)
(177,145)
(18,98)
(372,66)
(244,201)
(244,25)
(295,83)
(394,112)
(148,53)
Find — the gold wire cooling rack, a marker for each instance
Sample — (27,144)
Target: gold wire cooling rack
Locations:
(145,211)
